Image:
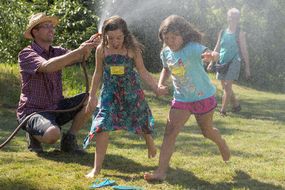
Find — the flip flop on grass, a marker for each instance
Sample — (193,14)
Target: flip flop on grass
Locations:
(106,182)
(119,187)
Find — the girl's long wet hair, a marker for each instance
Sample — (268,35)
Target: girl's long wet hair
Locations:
(114,23)
(179,25)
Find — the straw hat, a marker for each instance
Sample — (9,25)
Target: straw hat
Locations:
(37,19)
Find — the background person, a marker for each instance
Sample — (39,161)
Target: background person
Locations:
(232,46)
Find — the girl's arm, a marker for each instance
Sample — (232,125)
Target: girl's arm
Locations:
(244,53)
(215,53)
(96,80)
(164,75)
(145,75)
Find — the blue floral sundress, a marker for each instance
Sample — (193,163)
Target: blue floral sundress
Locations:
(122,103)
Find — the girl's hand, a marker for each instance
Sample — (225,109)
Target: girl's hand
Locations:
(209,56)
(162,90)
(210,67)
(91,104)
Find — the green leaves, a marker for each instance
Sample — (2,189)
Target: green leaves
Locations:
(78,21)
(261,20)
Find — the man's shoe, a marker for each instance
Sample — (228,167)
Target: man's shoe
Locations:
(69,144)
(33,144)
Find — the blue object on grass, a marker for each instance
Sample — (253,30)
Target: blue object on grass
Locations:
(106,182)
(120,187)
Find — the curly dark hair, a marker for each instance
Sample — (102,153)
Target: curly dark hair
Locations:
(116,22)
(181,26)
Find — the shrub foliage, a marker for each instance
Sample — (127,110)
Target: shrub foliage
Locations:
(262,20)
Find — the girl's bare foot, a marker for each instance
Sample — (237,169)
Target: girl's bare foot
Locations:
(155,176)
(92,173)
(225,151)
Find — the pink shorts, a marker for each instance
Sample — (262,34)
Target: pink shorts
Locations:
(199,107)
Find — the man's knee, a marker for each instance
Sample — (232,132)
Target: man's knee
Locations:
(51,135)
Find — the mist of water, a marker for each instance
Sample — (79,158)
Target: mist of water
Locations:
(133,11)
(144,17)
(105,13)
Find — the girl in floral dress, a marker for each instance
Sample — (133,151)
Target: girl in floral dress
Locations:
(122,104)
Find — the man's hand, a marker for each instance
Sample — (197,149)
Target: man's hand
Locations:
(96,39)
(87,46)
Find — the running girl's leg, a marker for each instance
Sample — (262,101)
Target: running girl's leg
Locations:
(176,120)
(205,122)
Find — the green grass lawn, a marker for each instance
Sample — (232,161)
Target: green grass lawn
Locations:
(256,137)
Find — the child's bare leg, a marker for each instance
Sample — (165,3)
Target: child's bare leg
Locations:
(177,119)
(150,145)
(205,122)
(102,141)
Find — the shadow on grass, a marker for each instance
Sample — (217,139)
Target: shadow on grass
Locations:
(59,156)
(190,136)
(111,161)
(200,146)
(19,184)
(241,180)
(268,109)
(123,164)
(272,110)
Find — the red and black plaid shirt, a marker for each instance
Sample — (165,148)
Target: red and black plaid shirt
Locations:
(39,91)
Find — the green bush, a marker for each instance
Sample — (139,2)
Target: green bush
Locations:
(262,21)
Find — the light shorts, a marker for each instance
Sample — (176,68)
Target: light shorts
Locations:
(198,108)
(232,73)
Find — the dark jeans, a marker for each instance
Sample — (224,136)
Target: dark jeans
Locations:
(40,122)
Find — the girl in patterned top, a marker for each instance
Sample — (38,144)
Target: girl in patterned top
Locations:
(122,104)
(193,91)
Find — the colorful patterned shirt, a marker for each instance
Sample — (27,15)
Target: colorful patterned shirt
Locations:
(39,91)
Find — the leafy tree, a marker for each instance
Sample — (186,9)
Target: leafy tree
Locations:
(261,19)
(78,21)
(11,29)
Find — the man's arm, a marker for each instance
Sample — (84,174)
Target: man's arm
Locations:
(58,63)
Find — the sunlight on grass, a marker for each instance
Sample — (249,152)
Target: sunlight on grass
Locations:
(256,137)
